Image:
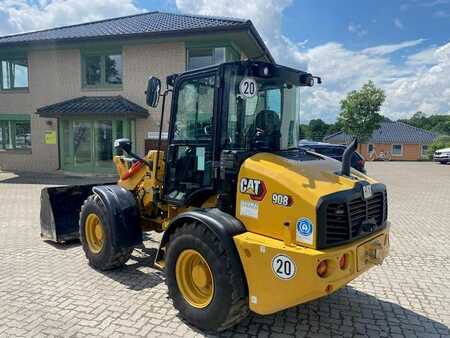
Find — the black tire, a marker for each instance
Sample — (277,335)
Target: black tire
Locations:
(229,304)
(109,257)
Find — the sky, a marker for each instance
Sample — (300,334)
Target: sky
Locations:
(401,45)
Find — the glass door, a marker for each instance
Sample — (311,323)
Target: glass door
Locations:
(190,154)
(103,146)
(86,145)
(82,144)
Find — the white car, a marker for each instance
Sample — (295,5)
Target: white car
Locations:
(442,155)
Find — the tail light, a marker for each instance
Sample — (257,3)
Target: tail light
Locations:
(322,268)
(343,262)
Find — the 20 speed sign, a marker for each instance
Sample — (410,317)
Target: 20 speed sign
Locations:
(248,87)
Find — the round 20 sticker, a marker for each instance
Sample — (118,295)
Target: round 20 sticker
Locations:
(283,267)
(248,87)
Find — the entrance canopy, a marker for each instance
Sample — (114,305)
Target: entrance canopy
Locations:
(112,106)
(87,129)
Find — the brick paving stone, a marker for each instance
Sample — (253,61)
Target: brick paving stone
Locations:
(49,290)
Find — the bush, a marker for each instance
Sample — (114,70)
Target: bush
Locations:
(439,143)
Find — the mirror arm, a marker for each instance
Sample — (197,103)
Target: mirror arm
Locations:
(164,95)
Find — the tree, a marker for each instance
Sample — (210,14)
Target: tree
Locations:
(334,128)
(419,119)
(359,111)
(436,123)
(303,132)
(443,127)
(317,129)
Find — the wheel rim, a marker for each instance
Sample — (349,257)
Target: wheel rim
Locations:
(95,233)
(194,278)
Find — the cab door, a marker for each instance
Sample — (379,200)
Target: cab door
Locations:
(189,175)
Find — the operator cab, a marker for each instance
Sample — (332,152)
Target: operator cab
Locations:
(239,108)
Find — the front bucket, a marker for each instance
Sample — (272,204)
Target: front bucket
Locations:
(60,211)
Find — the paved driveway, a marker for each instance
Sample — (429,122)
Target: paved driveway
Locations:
(48,289)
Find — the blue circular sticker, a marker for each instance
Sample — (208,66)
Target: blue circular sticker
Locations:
(304,227)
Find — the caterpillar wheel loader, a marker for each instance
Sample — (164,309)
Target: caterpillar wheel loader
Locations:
(250,222)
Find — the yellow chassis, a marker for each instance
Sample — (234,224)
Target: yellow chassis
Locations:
(268,293)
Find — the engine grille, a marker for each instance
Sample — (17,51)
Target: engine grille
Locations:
(355,218)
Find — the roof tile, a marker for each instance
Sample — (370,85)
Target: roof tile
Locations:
(146,23)
(94,105)
(390,132)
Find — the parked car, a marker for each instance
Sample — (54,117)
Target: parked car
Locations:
(335,151)
(442,156)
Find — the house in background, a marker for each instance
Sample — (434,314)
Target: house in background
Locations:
(66,93)
(402,141)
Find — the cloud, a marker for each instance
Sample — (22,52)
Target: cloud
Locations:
(388,49)
(423,3)
(427,88)
(22,15)
(357,29)
(441,14)
(419,83)
(266,15)
(404,7)
(413,85)
(434,3)
(398,23)
(425,57)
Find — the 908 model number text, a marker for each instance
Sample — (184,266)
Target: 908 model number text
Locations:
(282,199)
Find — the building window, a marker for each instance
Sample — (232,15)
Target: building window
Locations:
(397,150)
(102,69)
(14,73)
(370,148)
(15,134)
(424,149)
(198,57)
(87,144)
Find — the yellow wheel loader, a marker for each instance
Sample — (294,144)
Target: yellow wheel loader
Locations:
(250,222)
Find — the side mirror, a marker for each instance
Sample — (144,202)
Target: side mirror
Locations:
(123,144)
(306,80)
(153,91)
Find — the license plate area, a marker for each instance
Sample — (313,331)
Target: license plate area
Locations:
(371,253)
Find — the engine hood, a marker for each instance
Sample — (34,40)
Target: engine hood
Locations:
(275,190)
(313,177)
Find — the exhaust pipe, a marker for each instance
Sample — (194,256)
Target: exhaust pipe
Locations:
(347,157)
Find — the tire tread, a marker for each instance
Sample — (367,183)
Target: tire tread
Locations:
(120,255)
(239,297)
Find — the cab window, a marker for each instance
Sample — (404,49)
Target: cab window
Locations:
(190,155)
(195,109)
